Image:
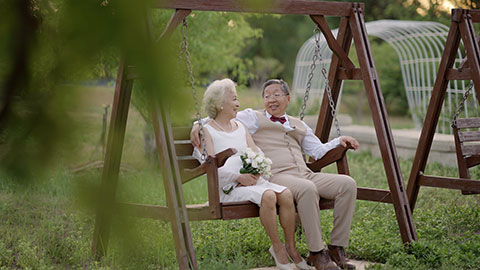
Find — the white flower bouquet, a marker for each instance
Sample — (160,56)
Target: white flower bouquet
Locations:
(255,163)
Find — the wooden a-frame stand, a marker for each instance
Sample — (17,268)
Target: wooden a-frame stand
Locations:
(352,27)
(461,28)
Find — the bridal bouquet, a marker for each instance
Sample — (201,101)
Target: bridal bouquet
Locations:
(255,163)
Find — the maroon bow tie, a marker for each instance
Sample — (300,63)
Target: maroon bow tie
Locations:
(278,119)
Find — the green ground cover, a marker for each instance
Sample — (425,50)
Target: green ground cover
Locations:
(48,224)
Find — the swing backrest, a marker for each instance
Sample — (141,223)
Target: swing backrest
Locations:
(184,148)
(467,144)
(189,166)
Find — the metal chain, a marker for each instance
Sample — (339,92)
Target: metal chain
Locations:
(191,78)
(318,56)
(333,111)
(316,53)
(462,104)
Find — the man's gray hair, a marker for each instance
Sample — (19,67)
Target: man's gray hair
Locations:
(214,96)
(283,84)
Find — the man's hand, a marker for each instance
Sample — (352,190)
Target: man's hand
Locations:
(247,179)
(195,135)
(346,141)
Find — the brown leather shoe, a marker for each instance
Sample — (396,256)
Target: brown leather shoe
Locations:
(337,254)
(321,260)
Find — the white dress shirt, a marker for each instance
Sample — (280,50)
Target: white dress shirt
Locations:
(311,145)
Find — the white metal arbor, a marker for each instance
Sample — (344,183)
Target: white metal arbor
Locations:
(419,46)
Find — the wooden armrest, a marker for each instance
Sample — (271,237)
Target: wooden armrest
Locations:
(224,155)
(331,156)
(473,161)
(219,158)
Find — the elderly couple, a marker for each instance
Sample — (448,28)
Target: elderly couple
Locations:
(283,139)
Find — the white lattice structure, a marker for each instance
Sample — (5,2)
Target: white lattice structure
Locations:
(419,46)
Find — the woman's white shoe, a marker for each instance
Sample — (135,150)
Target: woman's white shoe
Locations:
(279,265)
(302,265)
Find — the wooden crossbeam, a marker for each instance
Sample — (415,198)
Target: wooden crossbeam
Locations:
(459,74)
(333,44)
(449,183)
(298,7)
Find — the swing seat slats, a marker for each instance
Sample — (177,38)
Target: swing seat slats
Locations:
(468,122)
(469,136)
(467,146)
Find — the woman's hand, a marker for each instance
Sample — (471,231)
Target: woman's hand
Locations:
(247,179)
(195,136)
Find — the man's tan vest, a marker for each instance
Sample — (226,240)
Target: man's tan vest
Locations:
(281,146)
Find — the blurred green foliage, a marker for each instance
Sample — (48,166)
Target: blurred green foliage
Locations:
(48,44)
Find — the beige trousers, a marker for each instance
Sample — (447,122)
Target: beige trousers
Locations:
(307,189)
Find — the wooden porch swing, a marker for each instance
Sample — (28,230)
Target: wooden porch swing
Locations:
(466,132)
(175,150)
(461,28)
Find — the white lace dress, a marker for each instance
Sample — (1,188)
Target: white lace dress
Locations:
(229,172)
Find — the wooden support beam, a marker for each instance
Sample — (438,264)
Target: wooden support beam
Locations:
(324,121)
(450,183)
(131,73)
(142,210)
(333,44)
(173,23)
(374,195)
(382,128)
(195,212)
(173,188)
(475,14)
(467,31)
(299,7)
(113,156)
(459,74)
(354,74)
(434,109)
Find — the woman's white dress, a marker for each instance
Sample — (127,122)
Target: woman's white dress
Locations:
(229,172)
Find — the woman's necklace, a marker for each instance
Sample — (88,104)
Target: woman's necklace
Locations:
(223,129)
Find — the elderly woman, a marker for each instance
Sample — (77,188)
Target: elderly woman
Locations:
(222,132)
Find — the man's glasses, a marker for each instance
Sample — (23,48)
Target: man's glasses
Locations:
(275,96)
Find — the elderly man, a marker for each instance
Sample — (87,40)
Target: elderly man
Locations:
(284,138)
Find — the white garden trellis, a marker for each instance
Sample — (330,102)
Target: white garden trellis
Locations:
(419,46)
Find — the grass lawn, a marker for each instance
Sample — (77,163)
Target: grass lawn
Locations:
(48,224)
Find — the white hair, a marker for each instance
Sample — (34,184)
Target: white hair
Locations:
(215,95)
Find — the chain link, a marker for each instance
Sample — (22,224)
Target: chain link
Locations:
(191,78)
(462,104)
(318,56)
(316,53)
